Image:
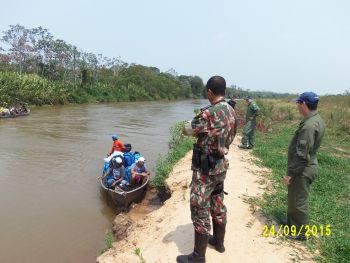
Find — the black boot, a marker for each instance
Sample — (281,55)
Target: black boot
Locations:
(217,240)
(198,254)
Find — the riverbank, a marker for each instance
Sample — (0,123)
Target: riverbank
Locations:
(163,234)
(134,83)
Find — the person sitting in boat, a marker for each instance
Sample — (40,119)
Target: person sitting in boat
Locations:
(23,109)
(115,173)
(117,146)
(139,170)
(13,110)
(3,111)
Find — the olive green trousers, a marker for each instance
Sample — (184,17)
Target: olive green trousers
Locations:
(248,138)
(298,201)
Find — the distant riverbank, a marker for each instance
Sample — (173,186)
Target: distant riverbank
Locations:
(32,89)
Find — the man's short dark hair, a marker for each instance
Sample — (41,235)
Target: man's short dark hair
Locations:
(217,85)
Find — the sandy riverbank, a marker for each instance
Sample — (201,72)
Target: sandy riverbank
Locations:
(167,232)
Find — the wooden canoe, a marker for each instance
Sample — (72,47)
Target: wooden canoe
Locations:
(15,115)
(123,199)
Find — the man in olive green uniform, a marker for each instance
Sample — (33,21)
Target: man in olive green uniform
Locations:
(248,138)
(302,161)
(214,129)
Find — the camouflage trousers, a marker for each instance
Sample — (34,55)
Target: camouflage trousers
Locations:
(207,198)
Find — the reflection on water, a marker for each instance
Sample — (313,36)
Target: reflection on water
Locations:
(51,206)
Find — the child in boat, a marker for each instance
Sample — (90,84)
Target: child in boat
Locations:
(115,174)
(139,170)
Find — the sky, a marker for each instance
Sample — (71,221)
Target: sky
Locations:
(265,45)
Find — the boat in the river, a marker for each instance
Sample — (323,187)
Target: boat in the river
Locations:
(123,198)
(126,192)
(15,115)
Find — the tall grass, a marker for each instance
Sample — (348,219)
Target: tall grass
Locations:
(336,112)
(329,196)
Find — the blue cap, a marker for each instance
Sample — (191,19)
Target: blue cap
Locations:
(308,97)
(248,97)
(114,137)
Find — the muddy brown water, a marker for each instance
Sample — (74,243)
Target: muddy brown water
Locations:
(51,206)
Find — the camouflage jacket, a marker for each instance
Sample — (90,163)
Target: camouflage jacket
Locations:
(214,129)
(305,143)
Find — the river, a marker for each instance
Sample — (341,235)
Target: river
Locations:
(51,206)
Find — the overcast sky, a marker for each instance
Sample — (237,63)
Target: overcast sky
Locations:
(271,45)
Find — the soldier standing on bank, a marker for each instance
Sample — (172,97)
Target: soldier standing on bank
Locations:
(214,129)
(248,139)
(302,162)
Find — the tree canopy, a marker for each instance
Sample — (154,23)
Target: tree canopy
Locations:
(53,64)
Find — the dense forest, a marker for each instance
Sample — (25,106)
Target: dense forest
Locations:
(36,68)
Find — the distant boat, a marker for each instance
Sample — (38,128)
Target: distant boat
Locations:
(123,198)
(16,115)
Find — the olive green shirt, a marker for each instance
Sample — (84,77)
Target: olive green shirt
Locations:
(252,111)
(305,143)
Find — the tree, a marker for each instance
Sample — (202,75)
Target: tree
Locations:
(172,71)
(17,37)
(197,86)
(42,42)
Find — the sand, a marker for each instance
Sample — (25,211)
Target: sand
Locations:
(163,234)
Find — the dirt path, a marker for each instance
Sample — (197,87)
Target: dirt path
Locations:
(167,232)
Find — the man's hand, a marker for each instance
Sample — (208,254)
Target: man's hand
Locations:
(286,179)
(187,129)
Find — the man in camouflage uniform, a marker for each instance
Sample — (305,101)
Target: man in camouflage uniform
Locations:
(248,138)
(302,161)
(214,129)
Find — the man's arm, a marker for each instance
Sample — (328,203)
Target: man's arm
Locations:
(233,130)
(199,124)
(119,180)
(305,142)
(105,174)
(146,173)
(255,110)
(133,173)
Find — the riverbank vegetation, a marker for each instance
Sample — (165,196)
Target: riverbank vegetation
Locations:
(109,239)
(179,145)
(329,197)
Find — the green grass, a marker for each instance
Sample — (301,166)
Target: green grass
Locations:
(329,195)
(179,145)
(138,253)
(109,239)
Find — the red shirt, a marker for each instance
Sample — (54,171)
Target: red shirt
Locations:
(117,146)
